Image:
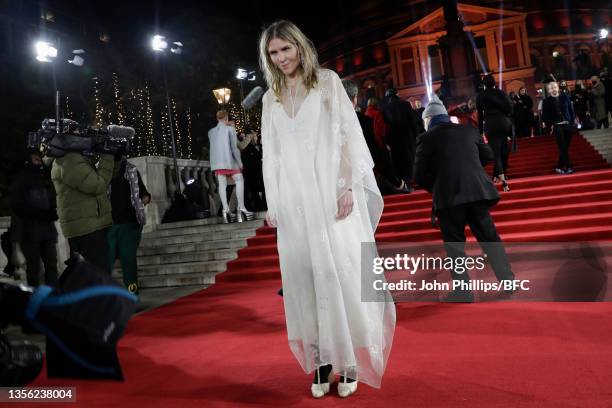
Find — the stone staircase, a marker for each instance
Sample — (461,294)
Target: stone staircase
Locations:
(190,252)
(601,140)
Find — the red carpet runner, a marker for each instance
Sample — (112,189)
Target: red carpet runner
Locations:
(226,346)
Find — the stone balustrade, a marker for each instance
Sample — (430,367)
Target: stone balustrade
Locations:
(158,174)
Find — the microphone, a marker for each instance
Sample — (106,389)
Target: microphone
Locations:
(120,132)
(252,98)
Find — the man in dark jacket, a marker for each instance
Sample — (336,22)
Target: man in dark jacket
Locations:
(449,164)
(32,199)
(558,114)
(403,130)
(128,196)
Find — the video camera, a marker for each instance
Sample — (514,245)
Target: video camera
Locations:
(70,137)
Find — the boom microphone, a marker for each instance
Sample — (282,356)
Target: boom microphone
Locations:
(252,98)
(120,132)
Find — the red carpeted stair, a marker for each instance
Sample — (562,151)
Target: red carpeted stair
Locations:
(226,346)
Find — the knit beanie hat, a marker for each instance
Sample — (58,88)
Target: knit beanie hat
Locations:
(434,107)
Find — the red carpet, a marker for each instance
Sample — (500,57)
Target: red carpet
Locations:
(226,346)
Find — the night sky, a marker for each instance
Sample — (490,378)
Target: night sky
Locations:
(238,22)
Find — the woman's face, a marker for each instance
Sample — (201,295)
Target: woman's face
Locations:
(522,91)
(284,55)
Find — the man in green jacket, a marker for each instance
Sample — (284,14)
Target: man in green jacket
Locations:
(83,204)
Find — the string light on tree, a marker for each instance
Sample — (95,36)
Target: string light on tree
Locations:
(236,115)
(177,130)
(68,112)
(99,111)
(189,139)
(119,110)
(151,144)
(165,125)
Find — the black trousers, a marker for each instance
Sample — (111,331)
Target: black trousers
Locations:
(563,136)
(93,247)
(452,225)
(498,144)
(34,252)
(498,129)
(603,123)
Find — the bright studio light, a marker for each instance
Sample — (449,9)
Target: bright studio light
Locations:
(242,74)
(603,33)
(159,43)
(45,52)
(177,47)
(77,61)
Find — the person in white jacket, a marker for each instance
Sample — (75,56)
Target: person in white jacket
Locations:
(225,161)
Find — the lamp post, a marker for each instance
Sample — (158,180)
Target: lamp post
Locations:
(222,95)
(46,53)
(159,44)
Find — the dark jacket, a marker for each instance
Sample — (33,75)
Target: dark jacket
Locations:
(121,201)
(82,199)
(367,126)
(550,115)
(32,199)
(449,164)
(494,110)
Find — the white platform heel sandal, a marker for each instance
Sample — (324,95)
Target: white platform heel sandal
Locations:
(346,386)
(319,389)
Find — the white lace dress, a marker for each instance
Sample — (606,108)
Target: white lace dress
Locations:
(309,161)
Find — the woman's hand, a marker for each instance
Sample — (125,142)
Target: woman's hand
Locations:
(270,221)
(345,205)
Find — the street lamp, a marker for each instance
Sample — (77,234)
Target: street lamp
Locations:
(603,33)
(47,52)
(160,44)
(222,95)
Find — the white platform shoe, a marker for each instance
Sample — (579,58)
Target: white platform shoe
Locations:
(319,389)
(346,388)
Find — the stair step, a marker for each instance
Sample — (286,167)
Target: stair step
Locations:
(233,244)
(196,238)
(203,229)
(225,255)
(182,268)
(188,279)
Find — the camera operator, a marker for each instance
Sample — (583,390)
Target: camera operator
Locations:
(83,204)
(32,200)
(128,196)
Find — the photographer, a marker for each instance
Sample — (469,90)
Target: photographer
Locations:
(83,205)
(33,201)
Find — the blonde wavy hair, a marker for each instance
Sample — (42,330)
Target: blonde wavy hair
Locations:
(309,63)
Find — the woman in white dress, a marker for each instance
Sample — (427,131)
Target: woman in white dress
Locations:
(323,198)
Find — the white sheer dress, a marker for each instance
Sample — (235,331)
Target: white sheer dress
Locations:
(311,159)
